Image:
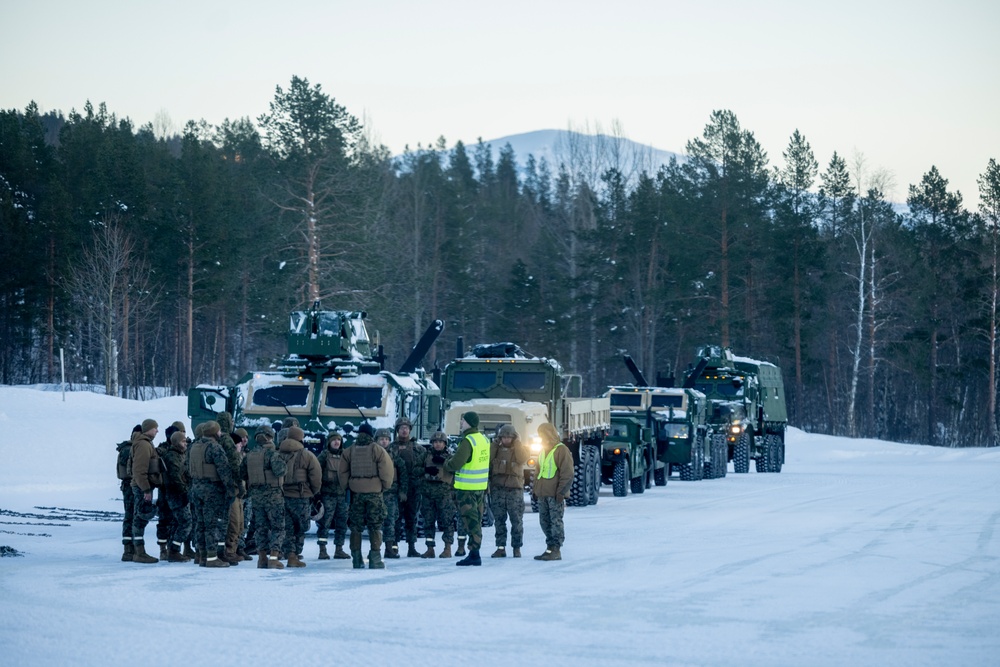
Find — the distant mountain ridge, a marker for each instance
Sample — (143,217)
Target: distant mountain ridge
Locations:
(557,146)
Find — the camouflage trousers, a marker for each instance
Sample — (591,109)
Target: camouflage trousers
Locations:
(506,501)
(296,524)
(180,518)
(367,510)
(210,506)
(334,514)
(391,499)
(409,510)
(268,505)
(438,507)
(142,513)
(470,515)
(550,516)
(129,501)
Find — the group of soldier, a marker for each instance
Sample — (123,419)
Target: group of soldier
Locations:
(383,479)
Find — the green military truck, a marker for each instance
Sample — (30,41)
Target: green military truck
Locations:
(333,379)
(628,453)
(677,419)
(747,398)
(505,385)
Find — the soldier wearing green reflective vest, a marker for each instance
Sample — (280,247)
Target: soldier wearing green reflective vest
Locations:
(551,488)
(471,466)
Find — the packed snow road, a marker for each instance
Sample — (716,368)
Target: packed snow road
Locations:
(859,552)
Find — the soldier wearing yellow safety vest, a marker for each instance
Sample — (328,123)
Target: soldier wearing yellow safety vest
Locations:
(471,465)
(552,487)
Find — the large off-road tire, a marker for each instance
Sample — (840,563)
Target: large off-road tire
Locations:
(593,459)
(638,484)
(699,466)
(531,496)
(719,441)
(578,492)
(779,453)
(661,475)
(741,454)
(619,480)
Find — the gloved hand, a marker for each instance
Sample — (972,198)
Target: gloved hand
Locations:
(432,470)
(438,458)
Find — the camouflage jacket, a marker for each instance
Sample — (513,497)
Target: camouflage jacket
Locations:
(411,456)
(176,479)
(215,455)
(329,461)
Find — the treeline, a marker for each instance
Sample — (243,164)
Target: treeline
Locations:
(171,261)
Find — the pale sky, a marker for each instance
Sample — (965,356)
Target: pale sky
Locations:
(907,84)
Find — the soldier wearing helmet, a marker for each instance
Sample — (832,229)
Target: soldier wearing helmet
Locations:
(334,498)
(438,503)
(508,456)
(211,480)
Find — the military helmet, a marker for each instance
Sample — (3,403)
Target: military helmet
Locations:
(383,433)
(439,435)
(288,422)
(211,428)
(507,430)
(401,421)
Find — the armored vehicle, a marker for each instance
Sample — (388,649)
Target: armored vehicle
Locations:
(505,385)
(747,403)
(333,379)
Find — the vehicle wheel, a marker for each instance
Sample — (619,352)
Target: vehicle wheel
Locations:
(720,449)
(763,462)
(660,475)
(595,459)
(592,478)
(620,479)
(779,453)
(578,492)
(741,455)
(531,493)
(638,484)
(699,465)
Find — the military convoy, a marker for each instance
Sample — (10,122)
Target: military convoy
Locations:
(333,379)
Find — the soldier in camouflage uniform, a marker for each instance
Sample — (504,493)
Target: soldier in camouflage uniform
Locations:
(213,487)
(234,526)
(508,456)
(366,470)
(174,494)
(471,467)
(146,476)
(552,487)
(334,499)
(303,480)
(125,477)
(438,503)
(391,496)
(165,523)
(263,470)
(412,456)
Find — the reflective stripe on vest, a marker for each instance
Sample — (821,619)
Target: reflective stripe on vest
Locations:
(475,474)
(547,466)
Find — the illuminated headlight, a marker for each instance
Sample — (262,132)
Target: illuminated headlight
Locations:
(536,444)
(735,428)
(617,451)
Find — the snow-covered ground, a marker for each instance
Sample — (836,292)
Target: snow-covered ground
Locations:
(859,553)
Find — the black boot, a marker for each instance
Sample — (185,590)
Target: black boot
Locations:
(472,559)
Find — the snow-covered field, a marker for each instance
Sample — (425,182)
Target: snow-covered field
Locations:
(859,553)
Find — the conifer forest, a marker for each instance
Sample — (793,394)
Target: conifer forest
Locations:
(154,259)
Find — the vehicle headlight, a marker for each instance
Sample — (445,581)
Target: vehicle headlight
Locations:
(735,428)
(536,444)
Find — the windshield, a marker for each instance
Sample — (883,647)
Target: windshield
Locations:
(630,400)
(521,381)
(279,396)
(351,398)
(475,380)
(674,430)
(666,401)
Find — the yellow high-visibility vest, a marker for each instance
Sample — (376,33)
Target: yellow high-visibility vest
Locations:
(547,466)
(475,474)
